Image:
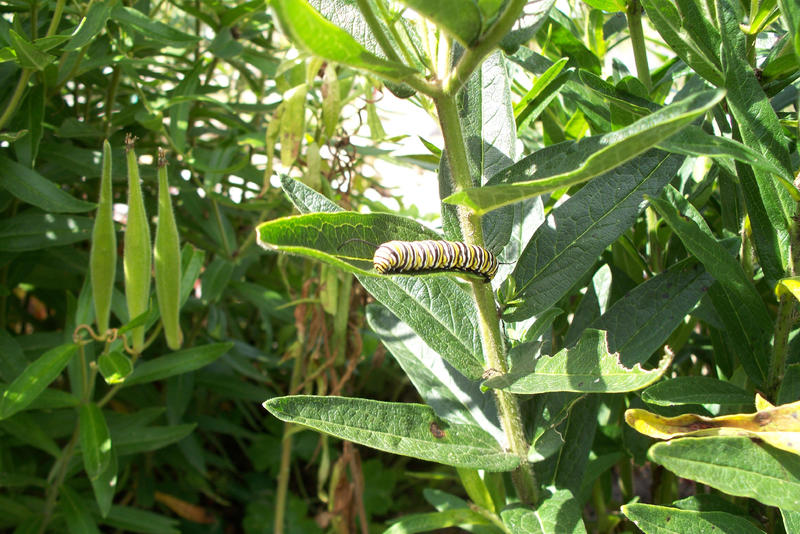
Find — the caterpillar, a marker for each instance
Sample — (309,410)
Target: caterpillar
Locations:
(430,255)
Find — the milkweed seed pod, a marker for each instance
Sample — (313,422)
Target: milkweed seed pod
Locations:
(167,255)
(103,256)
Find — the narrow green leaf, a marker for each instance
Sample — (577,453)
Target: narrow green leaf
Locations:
(696,390)
(586,159)
(399,428)
(436,520)
(177,363)
(586,368)
(95,440)
(34,231)
(28,54)
(747,320)
(31,118)
(664,520)
(91,25)
(641,321)
(13,361)
(35,379)
(33,188)
(544,89)
(735,465)
(558,512)
(152,29)
(128,519)
(136,438)
(436,307)
(179,112)
(459,18)
(576,232)
(452,396)
(105,485)
(309,30)
(76,512)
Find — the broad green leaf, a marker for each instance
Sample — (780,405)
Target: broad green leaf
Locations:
(641,321)
(176,363)
(558,512)
(791,520)
(790,12)
(770,206)
(34,231)
(664,520)
(695,390)
(735,465)
(77,512)
(91,25)
(612,6)
(305,199)
(129,519)
(309,30)
(587,367)
(452,396)
(569,465)
(28,54)
(736,299)
(436,520)
(440,311)
(33,188)
(676,27)
(156,30)
(95,440)
(459,18)
(576,232)
(115,366)
(35,379)
(776,425)
(586,159)
(105,485)
(399,428)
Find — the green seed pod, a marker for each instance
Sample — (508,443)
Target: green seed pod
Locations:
(168,261)
(137,257)
(103,257)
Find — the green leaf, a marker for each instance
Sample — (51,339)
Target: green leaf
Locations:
(26,429)
(544,90)
(576,232)
(128,519)
(28,54)
(91,25)
(76,512)
(558,512)
(105,485)
(164,34)
(177,363)
(586,368)
(137,438)
(452,396)
(114,366)
(746,318)
(179,112)
(586,159)
(534,14)
(436,520)
(459,18)
(399,428)
(664,520)
(735,465)
(641,321)
(95,440)
(35,379)
(309,30)
(34,231)
(33,188)
(31,118)
(696,390)
(791,520)
(436,307)
(677,27)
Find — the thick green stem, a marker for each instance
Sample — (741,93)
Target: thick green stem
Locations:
(634,13)
(491,339)
(487,43)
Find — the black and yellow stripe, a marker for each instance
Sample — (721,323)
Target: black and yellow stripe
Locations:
(413,256)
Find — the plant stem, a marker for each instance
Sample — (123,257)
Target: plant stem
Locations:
(487,43)
(493,346)
(634,14)
(286,450)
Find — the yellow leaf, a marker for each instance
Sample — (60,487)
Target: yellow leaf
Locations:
(777,425)
(788,285)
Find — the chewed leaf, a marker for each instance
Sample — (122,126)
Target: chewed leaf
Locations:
(777,425)
(587,367)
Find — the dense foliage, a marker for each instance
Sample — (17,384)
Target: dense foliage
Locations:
(645,220)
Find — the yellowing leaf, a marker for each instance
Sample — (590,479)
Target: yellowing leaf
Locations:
(788,285)
(777,425)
